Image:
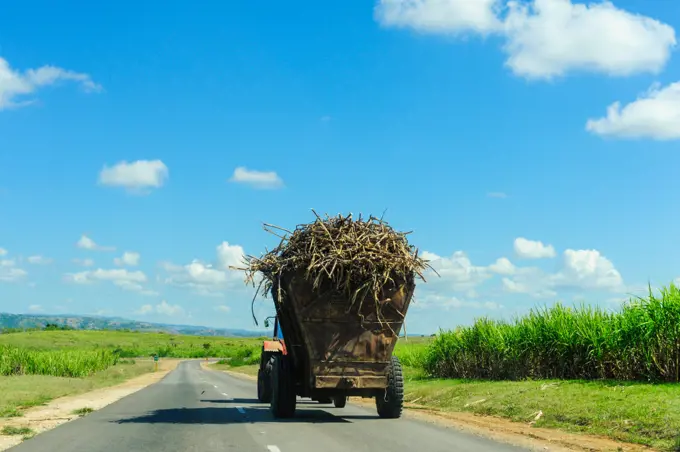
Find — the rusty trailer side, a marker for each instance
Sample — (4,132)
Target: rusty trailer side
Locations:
(335,350)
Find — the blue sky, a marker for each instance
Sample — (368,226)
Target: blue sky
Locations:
(531,146)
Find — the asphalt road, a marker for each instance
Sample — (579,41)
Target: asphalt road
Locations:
(192,409)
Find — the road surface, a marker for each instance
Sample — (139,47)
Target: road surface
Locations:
(195,410)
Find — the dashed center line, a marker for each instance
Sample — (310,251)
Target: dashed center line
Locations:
(241,410)
(215,386)
(273,449)
(225,394)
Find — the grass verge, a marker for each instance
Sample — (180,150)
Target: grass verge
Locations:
(19,392)
(630,412)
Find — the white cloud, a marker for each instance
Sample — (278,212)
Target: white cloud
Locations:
(39,260)
(207,279)
(655,114)
(9,272)
(448,302)
(129,258)
(502,266)
(15,85)
(531,249)
(588,269)
(546,38)
(222,308)
(35,308)
(84,262)
(3,252)
(88,244)
(137,177)
(128,280)
(162,308)
(457,272)
(256,179)
(230,255)
(581,269)
(440,16)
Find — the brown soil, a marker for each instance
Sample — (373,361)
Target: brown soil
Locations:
(59,411)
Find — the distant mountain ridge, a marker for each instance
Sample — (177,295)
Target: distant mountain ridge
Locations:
(80,322)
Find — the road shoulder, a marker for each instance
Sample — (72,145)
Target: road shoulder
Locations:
(61,410)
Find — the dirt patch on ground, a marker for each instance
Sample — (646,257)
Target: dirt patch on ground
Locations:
(501,430)
(59,411)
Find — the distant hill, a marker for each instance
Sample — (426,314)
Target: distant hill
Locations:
(30,321)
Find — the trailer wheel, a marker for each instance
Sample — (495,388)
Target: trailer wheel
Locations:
(390,403)
(283,397)
(340,401)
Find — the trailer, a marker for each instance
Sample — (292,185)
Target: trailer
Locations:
(328,349)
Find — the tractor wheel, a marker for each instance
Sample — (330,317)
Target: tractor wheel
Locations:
(283,397)
(339,401)
(264,392)
(391,402)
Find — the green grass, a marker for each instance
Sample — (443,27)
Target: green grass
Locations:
(632,412)
(641,342)
(58,363)
(133,345)
(9,430)
(82,411)
(19,392)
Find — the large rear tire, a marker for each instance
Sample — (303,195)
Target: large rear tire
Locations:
(283,398)
(340,401)
(391,402)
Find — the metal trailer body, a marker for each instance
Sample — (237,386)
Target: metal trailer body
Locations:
(333,350)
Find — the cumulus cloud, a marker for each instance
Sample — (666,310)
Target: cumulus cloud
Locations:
(3,252)
(580,269)
(162,308)
(15,86)
(655,114)
(222,308)
(456,272)
(256,179)
(205,278)
(588,269)
(87,243)
(440,16)
(546,38)
(9,272)
(533,249)
(129,258)
(128,280)
(35,308)
(138,177)
(502,266)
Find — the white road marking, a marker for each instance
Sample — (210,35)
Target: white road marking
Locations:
(241,410)
(225,394)
(273,449)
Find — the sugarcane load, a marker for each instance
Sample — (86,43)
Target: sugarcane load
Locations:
(341,288)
